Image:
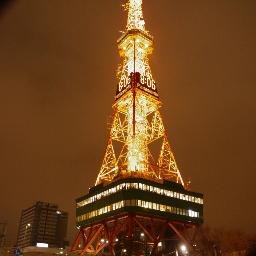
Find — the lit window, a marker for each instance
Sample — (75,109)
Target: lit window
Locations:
(192,213)
(161,208)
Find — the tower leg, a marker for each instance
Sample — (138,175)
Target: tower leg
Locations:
(133,235)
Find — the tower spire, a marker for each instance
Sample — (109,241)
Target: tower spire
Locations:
(135,15)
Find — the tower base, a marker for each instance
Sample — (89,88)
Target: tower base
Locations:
(133,234)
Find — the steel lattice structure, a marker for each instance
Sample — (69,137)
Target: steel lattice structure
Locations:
(139,204)
(138,237)
(137,126)
(135,157)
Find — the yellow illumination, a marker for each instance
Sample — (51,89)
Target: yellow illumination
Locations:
(140,186)
(137,203)
(137,123)
(135,15)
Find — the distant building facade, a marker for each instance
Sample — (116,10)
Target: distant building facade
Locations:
(42,223)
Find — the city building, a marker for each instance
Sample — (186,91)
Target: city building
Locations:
(140,204)
(43,225)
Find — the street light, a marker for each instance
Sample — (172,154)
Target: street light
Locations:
(183,249)
(160,246)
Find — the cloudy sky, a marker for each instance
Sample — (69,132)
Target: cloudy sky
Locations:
(58,61)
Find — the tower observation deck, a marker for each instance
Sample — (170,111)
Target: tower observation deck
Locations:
(139,204)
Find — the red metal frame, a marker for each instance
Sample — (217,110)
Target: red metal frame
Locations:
(92,239)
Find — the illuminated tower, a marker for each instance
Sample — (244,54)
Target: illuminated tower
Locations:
(139,205)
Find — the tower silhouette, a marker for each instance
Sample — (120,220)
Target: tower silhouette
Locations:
(139,204)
